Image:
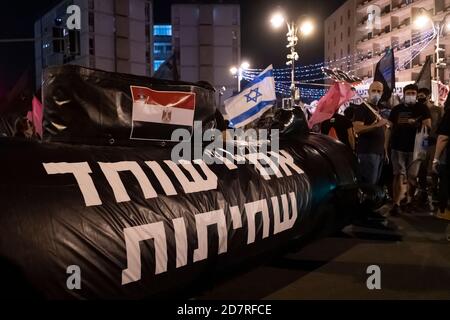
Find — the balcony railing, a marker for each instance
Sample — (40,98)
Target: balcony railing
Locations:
(363,4)
(378,53)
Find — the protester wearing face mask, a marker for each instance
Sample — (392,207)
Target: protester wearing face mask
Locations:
(405,119)
(436,113)
(371,136)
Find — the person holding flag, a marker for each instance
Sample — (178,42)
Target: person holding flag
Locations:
(254,100)
(369,126)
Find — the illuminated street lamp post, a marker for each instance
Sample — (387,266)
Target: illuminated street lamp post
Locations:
(238,72)
(438,28)
(305,29)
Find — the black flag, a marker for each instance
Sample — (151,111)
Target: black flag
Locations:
(385,73)
(168,70)
(424,78)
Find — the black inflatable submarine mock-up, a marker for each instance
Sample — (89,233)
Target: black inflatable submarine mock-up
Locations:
(90,201)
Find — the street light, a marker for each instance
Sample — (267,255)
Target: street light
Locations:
(305,29)
(438,28)
(277,20)
(238,72)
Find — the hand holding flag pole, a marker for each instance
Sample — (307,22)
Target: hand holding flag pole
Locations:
(342,76)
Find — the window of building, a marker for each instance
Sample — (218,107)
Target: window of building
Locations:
(342,37)
(235,16)
(342,20)
(349,14)
(348,49)
(158,49)
(334,56)
(162,48)
(334,25)
(342,54)
(349,31)
(91,19)
(335,41)
(157,64)
(91,46)
(162,30)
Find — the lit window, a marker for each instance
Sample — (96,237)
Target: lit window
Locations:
(157,64)
(162,30)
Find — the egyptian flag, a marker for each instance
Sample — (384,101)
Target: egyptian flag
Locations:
(156,114)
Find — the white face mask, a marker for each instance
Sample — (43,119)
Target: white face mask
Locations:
(410,99)
(374,98)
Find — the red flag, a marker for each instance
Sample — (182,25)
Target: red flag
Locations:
(36,116)
(338,94)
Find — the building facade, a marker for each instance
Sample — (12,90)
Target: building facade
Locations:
(360,31)
(162,45)
(115,35)
(206,41)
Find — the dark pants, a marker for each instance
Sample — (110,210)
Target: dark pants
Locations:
(370,165)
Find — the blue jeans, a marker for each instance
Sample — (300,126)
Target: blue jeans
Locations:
(370,165)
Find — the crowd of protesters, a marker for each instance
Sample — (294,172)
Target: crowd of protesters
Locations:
(400,148)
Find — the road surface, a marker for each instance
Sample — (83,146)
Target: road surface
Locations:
(411,250)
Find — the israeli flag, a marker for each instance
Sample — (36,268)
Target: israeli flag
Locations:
(257,97)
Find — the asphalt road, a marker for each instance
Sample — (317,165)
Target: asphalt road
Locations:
(413,255)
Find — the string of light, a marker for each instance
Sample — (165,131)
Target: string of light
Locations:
(284,76)
(307,71)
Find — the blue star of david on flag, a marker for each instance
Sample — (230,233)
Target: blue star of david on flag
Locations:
(255,97)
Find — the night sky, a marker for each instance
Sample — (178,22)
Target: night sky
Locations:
(261,45)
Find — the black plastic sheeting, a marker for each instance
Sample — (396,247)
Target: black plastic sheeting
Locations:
(95,107)
(138,225)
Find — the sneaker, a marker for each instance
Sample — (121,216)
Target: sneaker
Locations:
(443,215)
(395,211)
